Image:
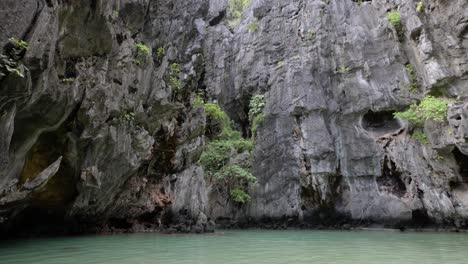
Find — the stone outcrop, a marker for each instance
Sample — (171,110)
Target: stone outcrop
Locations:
(99,135)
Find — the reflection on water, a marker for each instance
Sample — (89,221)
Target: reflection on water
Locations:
(295,247)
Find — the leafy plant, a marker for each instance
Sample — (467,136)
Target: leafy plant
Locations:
(174,81)
(430,108)
(343,69)
(310,34)
(256,122)
(226,157)
(160,52)
(235,10)
(198,101)
(10,60)
(67,80)
(414,80)
(240,196)
(419,6)
(19,44)
(127,116)
(420,136)
(142,51)
(253,26)
(394,19)
(256,115)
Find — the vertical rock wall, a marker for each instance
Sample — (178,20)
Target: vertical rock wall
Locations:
(95,137)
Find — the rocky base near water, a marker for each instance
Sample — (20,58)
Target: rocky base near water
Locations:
(100,130)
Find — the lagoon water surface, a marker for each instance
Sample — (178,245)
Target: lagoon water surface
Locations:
(237,247)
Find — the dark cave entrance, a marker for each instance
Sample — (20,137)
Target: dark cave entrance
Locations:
(462,162)
(380,122)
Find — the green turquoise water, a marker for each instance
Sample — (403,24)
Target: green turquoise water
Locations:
(272,247)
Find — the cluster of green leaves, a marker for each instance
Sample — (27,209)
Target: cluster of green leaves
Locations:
(235,10)
(414,80)
(174,81)
(142,51)
(160,52)
(239,196)
(256,115)
(226,158)
(10,60)
(419,6)
(253,26)
(420,136)
(430,108)
(127,116)
(343,69)
(198,101)
(395,20)
(310,34)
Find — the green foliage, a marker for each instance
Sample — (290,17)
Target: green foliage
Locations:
(420,6)
(10,60)
(310,34)
(343,69)
(430,108)
(217,116)
(142,51)
(160,52)
(256,116)
(127,116)
(235,10)
(413,87)
(226,157)
(67,80)
(239,196)
(395,20)
(253,26)
(174,81)
(256,122)
(115,13)
(198,101)
(256,105)
(280,63)
(420,136)
(19,44)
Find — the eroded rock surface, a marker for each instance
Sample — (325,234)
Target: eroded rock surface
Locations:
(94,136)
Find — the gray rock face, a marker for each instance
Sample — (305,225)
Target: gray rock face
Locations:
(333,74)
(95,137)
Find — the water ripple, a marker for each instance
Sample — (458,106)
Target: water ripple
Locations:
(272,247)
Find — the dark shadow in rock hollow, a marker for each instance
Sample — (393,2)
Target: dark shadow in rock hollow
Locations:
(380,123)
(462,161)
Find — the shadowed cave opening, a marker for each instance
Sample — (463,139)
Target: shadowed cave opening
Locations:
(462,162)
(380,123)
(390,181)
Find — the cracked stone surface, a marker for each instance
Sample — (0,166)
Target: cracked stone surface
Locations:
(328,153)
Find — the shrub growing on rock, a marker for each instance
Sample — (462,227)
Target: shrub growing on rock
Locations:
(235,10)
(226,158)
(394,19)
(13,52)
(430,108)
(141,52)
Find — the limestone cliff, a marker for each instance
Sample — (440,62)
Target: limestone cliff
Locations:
(99,129)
